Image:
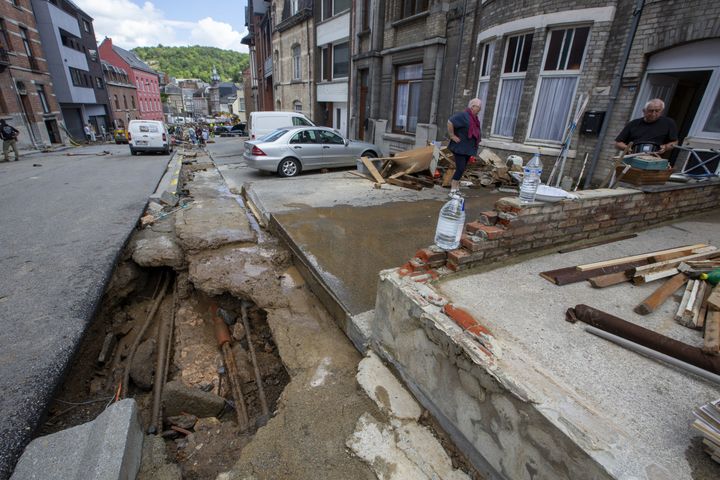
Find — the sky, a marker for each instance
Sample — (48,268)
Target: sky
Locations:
(137,23)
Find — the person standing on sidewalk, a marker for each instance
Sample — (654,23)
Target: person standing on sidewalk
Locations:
(9,136)
(464,132)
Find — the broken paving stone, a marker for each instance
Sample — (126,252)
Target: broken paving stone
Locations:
(212,224)
(385,390)
(183,421)
(142,369)
(169,198)
(179,398)
(153,249)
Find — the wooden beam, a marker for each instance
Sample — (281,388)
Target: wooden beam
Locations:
(711,343)
(713,301)
(643,256)
(610,279)
(658,297)
(706,252)
(402,183)
(648,277)
(373,171)
(568,275)
(683,303)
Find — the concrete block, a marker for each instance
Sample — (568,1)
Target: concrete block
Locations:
(108,448)
(178,398)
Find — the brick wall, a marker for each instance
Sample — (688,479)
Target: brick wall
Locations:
(514,228)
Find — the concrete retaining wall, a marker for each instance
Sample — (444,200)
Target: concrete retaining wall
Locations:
(455,375)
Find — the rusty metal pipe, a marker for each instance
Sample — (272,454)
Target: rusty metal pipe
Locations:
(222,334)
(164,336)
(258,377)
(643,336)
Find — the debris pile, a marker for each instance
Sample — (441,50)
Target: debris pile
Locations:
(427,166)
(708,423)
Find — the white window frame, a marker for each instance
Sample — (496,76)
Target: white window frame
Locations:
(507,76)
(349,60)
(294,7)
(557,73)
(296,62)
(487,55)
(712,92)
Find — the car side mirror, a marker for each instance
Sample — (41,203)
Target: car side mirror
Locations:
(346,142)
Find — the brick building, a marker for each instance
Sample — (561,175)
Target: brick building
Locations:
(27,96)
(122,93)
(146,80)
(68,40)
(259,40)
(293,43)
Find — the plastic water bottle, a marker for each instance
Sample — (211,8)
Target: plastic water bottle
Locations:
(531,179)
(450,224)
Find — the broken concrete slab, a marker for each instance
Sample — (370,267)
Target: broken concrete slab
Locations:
(178,398)
(151,248)
(400,451)
(213,223)
(385,390)
(108,448)
(245,272)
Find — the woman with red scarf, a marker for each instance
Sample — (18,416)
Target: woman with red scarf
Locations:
(464,131)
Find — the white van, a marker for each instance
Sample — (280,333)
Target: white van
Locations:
(148,136)
(262,123)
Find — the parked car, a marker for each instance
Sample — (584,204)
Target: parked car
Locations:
(289,151)
(148,136)
(120,136)
(262,123)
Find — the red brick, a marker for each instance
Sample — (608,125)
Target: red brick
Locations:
(417,264)
(488,217)
(462,317)
(491,233)
(471,242)
(457,256)
(429,255)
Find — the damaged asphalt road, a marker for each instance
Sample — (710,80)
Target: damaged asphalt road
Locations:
(63,226)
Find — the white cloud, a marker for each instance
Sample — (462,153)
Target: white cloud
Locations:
(132,25)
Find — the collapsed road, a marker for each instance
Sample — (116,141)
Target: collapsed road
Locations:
(225,270)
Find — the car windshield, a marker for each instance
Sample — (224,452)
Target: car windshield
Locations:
(274,135)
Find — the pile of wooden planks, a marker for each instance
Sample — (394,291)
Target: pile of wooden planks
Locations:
(707,422)
(681,267)
(401,171)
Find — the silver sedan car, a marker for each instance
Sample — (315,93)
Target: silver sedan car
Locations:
(289,151)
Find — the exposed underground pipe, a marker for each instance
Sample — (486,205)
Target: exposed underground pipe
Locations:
(138,339)
(222,334)
(649,352)
(258,377)
(161,365)
(643,336)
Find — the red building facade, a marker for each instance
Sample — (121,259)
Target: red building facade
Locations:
(145,79)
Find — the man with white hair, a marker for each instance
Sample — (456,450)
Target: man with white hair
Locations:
(650,133)
(464,132)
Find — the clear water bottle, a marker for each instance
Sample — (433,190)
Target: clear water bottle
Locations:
(531,179)
(450,224)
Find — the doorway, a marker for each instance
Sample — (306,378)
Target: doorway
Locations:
(53,131)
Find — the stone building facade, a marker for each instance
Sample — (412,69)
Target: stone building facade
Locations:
(528,105)
(27,97)
(293,44)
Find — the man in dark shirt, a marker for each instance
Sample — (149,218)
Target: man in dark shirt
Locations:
(651,133)
(9,136)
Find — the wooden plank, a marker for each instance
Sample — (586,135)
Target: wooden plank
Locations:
(401,183)
(713,301)
(658,297)
(400,174)
(373,171)
(425,182)
(386,168)
(568,275)
(694,317)
(684,301)
(447,177)
(596,243)
(707,252)
(642,256)
(361,175)
(711,342)
(656,275)
(610,279)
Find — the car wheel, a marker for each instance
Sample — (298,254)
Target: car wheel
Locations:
(369,154)
(133,152)
(166,151)
(289,167)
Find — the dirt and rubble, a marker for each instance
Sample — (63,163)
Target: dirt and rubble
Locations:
(219,264)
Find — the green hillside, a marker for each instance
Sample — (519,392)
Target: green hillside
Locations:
(195,61)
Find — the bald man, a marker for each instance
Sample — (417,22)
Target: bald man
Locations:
(464,132)
(650,133)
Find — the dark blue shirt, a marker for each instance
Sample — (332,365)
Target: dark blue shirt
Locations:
(466,146)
